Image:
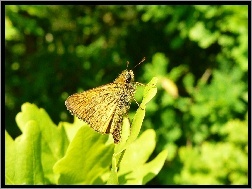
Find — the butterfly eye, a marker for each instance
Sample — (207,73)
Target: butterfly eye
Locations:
(128,78)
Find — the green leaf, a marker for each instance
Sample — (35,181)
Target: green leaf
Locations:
(146,172)
(23,157)
(54,140)
(113,178)
(72,128)
(139,152)
(86,159)
(150,91)
(133,166)
(10,158)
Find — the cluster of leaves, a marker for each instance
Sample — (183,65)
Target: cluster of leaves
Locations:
(194,121)
(43,155)
(199,54)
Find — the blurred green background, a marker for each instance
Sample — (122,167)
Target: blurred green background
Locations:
(199,53)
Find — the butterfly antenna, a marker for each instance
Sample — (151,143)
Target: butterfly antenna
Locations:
(139,62)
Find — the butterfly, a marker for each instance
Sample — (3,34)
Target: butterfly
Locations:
(104,107)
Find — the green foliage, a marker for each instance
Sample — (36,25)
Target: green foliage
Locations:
(198,53)
(41,155)
(23,156)
(224,161)
(87,158)
(31,156)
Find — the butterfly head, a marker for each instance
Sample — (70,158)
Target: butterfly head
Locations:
(127,76)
